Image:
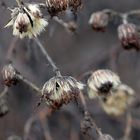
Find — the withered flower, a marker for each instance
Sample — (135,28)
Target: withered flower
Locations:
(103,82)
(74,4)
(99,21)
(3,107)
(128,36)
(27,21)
(61,90)
(56,6)
(117,103)
(9,75)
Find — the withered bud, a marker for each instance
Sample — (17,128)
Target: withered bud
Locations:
(128,36)
(61,90)
(103,82)
(118,103)
(9,75)
(56,6)
(106,137)
(99,21)
(3,107)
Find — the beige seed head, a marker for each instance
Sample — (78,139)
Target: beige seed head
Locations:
(103,82)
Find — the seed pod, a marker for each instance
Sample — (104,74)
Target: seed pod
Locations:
(103,82)
(128,36)
(61,90)
(27,21)
(56,6)
(3,107)
(99,21)
(105,137)
(9,75)
(118,103)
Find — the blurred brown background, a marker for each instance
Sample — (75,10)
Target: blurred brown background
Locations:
(74,55)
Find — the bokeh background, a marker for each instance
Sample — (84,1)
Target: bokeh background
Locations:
(74,54)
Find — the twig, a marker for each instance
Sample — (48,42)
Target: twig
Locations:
(30,84)
(48,58)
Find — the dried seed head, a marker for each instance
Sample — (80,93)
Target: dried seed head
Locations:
(105,137)
(27,21)
(103,82)
(74,4)
(128,36)
(99,21)
(56,6)
(3,107)
(117,104)
(61,90)
(9,75)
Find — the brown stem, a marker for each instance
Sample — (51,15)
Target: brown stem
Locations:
(30,84)
(48,58)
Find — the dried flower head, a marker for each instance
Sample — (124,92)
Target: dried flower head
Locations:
(74,4)
(56,6)
(103,82)
(99,21)
(9,75)
(61,90)
(128,36)
(117,104)
(3,107)
(27,21)
(105,137)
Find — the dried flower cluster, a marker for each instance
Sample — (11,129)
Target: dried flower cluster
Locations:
(61,90)
(56,6)
(127,32)
(27,21)
(103,82)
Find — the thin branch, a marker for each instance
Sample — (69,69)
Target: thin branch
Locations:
(30,84)
(48,58)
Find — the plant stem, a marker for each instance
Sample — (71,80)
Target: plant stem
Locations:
(30,84)
(48,58)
